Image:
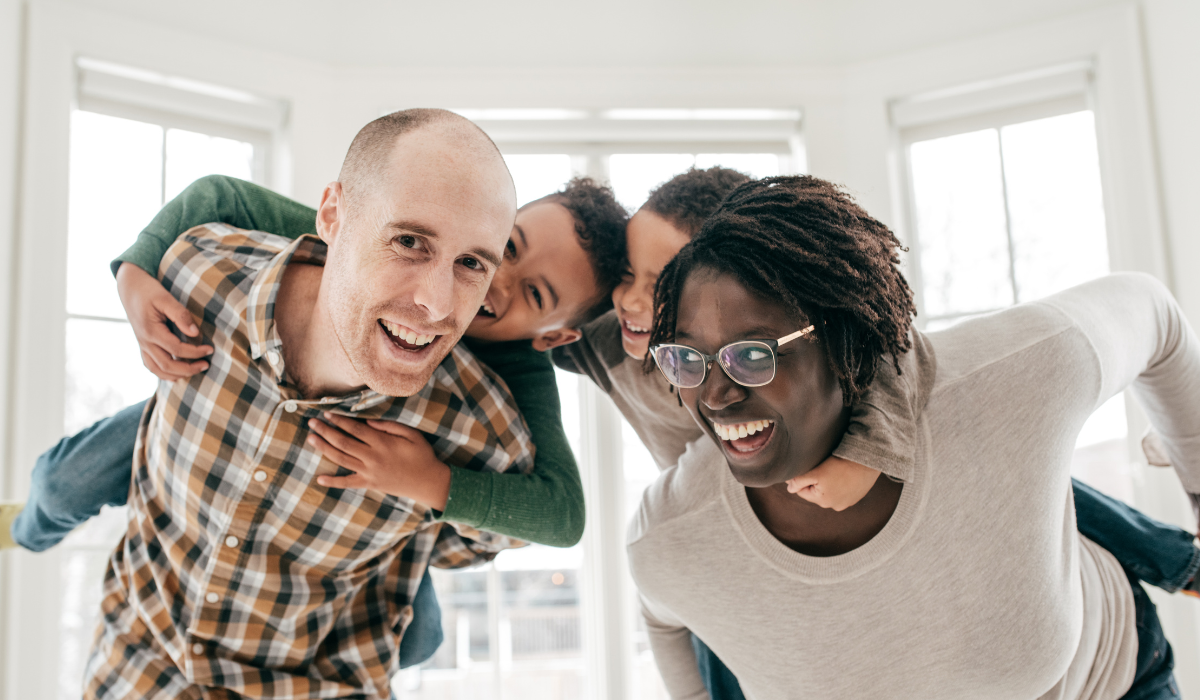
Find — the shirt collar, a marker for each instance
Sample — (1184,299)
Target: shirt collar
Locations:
(260,302)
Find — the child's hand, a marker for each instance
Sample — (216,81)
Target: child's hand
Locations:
(149,306)
(384,456)
(835,483)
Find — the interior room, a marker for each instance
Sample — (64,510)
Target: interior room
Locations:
(1016,149)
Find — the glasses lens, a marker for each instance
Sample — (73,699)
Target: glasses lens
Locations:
(681,365)
(749,362)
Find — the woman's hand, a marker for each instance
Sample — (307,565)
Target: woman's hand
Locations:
(835,483)
(384,456)
(149,307)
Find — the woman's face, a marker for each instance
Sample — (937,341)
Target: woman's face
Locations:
(803,404)
(651,242)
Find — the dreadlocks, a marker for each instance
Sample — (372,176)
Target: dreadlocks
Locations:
(804,242)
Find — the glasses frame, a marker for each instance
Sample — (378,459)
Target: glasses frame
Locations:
(771,345)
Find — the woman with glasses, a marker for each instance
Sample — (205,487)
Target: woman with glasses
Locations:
(964,576)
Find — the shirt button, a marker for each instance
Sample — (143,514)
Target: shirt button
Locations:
(290,406)
(260,476)
(231,541)
(197,649)
(212,597)
(273,357)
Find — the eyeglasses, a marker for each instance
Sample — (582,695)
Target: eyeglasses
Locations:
(747,362)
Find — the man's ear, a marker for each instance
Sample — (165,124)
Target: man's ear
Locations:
(331,212)
(552,339)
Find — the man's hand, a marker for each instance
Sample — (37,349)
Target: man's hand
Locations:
(384,456)
(149,307)
(835,483)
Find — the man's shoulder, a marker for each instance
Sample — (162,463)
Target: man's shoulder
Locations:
(210,243)
(681,491)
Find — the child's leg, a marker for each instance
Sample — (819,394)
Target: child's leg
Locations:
(73,479)
(1157,553)
(424,633)
(718,679)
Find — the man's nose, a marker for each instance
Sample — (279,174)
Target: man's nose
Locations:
(436,292)
(719,391)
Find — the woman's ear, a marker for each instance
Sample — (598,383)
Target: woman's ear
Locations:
(555,338)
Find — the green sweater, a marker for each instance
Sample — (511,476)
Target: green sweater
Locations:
(544,506)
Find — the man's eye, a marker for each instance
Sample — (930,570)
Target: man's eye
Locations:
(408,241)
(472,264)
(510,249)
(537,296)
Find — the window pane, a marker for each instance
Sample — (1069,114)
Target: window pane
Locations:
(191,156)
(634,175)
(115,189)
(1052,171)
(640,472)
(756,165)
(104,372)
(538,175)
(961,223)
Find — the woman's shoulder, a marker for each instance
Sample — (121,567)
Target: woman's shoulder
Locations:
(681,491)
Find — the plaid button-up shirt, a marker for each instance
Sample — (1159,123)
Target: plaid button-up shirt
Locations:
(239,575)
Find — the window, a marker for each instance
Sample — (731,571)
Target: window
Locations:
(557,624)
(1006,206)
(126,162)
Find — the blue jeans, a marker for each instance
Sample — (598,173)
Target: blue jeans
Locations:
(93,468)
(1153,678)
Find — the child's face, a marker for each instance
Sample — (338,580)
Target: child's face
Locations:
(651,242)
(545,281)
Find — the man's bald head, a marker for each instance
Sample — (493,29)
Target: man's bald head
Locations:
(366,163)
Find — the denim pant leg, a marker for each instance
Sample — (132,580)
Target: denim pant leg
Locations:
(424,633)
(1157,553)
(718,679)
(73,479)
(1153,677)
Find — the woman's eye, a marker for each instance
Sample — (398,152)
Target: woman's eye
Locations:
(537,296)
(755,355)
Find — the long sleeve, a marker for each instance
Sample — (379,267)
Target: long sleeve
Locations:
(1142,341)
(546,505)
(674,655)
(219,199)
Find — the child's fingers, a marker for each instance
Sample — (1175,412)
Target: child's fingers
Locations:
(393,428)
(335,455)
(350,426)
(351,481)
(336,437)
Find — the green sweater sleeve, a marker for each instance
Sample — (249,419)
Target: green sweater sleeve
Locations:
(217,198)
(546,505)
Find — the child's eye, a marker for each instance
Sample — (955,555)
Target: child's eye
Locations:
(510,249)
(537,296)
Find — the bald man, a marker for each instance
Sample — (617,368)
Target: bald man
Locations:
(240,574)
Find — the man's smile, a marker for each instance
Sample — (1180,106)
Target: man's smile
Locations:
(406,338)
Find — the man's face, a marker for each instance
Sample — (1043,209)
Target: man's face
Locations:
(411,259)
(546,281)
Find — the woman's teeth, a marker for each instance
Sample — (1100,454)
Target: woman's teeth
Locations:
(636,329)
(405,334)
(740,430)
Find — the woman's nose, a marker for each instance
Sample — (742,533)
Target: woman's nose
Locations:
(719,391)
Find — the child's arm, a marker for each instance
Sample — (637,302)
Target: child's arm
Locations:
(148,306)
(545,506)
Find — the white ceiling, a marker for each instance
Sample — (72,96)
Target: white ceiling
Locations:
(563,33)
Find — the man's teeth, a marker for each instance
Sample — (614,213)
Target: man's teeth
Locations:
(409,336)
(740,430)
(636,329)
